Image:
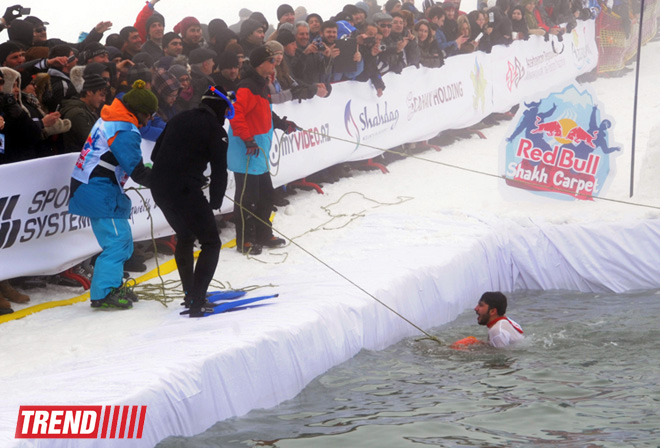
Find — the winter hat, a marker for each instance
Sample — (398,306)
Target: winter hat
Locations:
(390,4)
(275,47)
(59,50)
(227,59)
(284,9)
(381,17)
(216,26)
(164,62)
(10,76)
(113,52)
(350,10)
(8,48)
(222,39)
(314,15)
(169,37)
(140,99)
(235,48)
(35,21)
(259,17)
(184,24)
(165,83)
(248,27)
(260,55)
(137,72)
(363,6)
(95,68)
(154,18)
(285,37)
(199,55)
(215,102)
(178,70)
(91,50)
(244,13)
(22,32)
(144,58)
(93,83)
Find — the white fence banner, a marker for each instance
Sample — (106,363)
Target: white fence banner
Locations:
(38,236)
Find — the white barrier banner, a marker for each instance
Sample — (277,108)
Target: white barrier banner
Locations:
(38,236)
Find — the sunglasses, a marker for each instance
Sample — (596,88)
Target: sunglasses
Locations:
(385,25)
(40,30)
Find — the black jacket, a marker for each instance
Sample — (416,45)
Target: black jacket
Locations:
(190,141)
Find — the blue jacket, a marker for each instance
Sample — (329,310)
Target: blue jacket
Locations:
(110,155)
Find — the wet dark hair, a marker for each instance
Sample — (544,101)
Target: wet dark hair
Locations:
(495,299)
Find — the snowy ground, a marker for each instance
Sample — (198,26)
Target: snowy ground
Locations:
(150,355)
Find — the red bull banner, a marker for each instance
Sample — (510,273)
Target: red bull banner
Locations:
(560,146)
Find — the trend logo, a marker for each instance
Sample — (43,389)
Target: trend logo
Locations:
(9,228)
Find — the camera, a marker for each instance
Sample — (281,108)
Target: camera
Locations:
(369,41)
(382,47)
(9,106)
(319,43)
(25,11)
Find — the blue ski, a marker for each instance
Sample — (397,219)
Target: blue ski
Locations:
(216,296)
(222,307)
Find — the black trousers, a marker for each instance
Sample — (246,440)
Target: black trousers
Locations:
(191,217)
(253,193)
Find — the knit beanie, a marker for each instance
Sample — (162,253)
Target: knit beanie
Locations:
(7,48)
(139,99)
(178,70)
(260,55)
(154,18)
(21,31)
(184,24)
(285,37)
(93,83)
(95,68)
(284,9)
(248,27)
(169,37)
(259,17)
(113,52)
(390,4)
(275,47)
(363,6)
(144,58)
(137,72)
(91,50)
(227,59)
(215,26)
(318,16)
(199,55)
(165,83)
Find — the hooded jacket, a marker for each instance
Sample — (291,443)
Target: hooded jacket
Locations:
(253,120)
(110,155)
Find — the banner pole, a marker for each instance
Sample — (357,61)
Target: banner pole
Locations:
(634,124)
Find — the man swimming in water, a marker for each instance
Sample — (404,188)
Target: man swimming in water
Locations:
(502,331)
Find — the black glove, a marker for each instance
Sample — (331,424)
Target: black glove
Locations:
(302,92)
(11,13)
(288,126)
(215,201)
(252,148)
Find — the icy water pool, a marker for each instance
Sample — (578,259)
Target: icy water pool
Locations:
(586,376)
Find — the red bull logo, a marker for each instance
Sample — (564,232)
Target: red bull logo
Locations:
(560,145)
(566,129)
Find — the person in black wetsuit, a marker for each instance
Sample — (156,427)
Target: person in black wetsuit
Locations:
(190,141)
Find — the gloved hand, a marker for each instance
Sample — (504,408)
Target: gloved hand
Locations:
(252,148)
(11,13)
(288,126)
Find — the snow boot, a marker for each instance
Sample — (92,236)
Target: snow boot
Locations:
(11,294)
(114,300)
(249,249)
(5,306)
(273,242)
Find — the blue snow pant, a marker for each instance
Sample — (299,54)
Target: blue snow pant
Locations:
(116,239)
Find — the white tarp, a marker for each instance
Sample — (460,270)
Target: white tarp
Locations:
(38,236)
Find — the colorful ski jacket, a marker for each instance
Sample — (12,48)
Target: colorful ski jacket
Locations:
(110,155)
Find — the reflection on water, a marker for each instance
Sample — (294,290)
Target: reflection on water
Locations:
(586,376)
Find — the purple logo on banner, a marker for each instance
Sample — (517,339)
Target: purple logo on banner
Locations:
(560,146)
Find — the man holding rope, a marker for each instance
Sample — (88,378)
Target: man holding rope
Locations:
(250,136)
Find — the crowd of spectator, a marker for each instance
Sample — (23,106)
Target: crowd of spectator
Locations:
(53,91)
